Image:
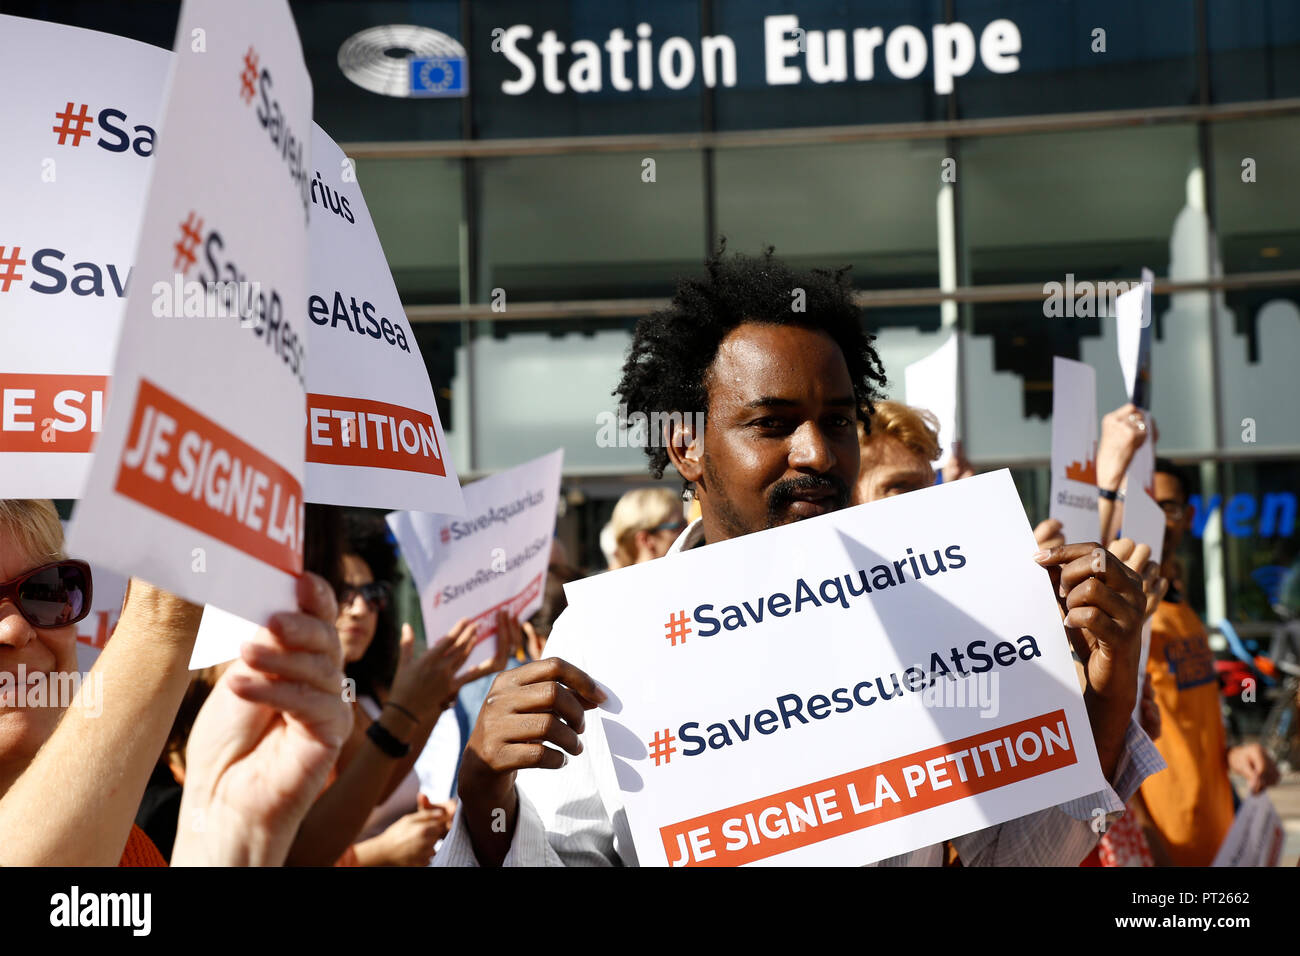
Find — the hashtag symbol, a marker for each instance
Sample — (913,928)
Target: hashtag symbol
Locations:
(74,125)
(247,77)
(191,234)
(9,267)
(662,746)
(676,627)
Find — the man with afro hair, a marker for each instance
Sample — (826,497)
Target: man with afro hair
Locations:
(777,365)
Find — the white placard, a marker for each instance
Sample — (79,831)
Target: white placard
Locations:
(196,483)
(1256,836)
(495,557)
(1144,521)
(1074,450)
(374,438)
(78,150)
(781,678)
(931,383)
(1133,324)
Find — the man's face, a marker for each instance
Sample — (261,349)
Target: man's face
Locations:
(1178,514)
(890,468)
(782,441)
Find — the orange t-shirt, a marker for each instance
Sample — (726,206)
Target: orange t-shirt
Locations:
(140,850)
(1190,803)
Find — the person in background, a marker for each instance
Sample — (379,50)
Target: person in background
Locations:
(897,455)
(645,523)
(403,829)
(398,698)
(1188,809)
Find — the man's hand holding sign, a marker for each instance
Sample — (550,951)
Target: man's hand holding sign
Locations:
(1104,605)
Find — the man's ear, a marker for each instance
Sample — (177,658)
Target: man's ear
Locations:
(686,450)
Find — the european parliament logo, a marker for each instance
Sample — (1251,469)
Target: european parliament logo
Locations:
(405,61)
(437,76)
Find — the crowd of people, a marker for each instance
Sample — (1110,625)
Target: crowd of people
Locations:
(264,761)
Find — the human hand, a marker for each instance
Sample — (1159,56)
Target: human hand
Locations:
(1103,604)
(1253,762)
(264,741)
(426,685)
(1049,534)
(1137,557)
(1122,433)
(411,839)
(526,708)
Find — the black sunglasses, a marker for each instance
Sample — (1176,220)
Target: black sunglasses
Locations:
(53,595)
(375,594)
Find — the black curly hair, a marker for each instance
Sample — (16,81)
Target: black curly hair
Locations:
(672,349)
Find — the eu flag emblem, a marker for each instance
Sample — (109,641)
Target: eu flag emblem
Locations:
(437,76)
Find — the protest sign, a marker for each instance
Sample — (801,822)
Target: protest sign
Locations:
(931,383)
(495,557)
(839,690)
(373,434)
(1074,450)
(196,483)
(79,147)
(1133,324)
(1144,520)
(1256,836)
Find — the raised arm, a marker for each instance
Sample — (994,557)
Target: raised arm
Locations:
(75,803)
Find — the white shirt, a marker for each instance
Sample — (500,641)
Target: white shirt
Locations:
(562,819)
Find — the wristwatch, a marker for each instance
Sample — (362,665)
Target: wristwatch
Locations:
(386,742)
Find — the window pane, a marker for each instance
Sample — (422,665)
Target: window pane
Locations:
(539,386)
(1259,354)
(1008,367)
(589,226)
(871,205)
(415,204)
(1257,204)
(1098,203)
(1261,536)
(1254,49)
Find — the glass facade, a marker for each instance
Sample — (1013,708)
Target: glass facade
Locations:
(959,154)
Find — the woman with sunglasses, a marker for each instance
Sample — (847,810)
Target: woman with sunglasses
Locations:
(644,526)
(398,699)
(71,781)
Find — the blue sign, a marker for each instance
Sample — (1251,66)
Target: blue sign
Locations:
(437,76)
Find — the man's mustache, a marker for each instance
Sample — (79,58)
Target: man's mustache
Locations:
(784,492)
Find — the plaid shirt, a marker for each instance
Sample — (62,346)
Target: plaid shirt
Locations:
(563,821)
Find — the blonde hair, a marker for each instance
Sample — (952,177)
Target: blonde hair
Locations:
(640,510)
(916,428)
(34,525)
